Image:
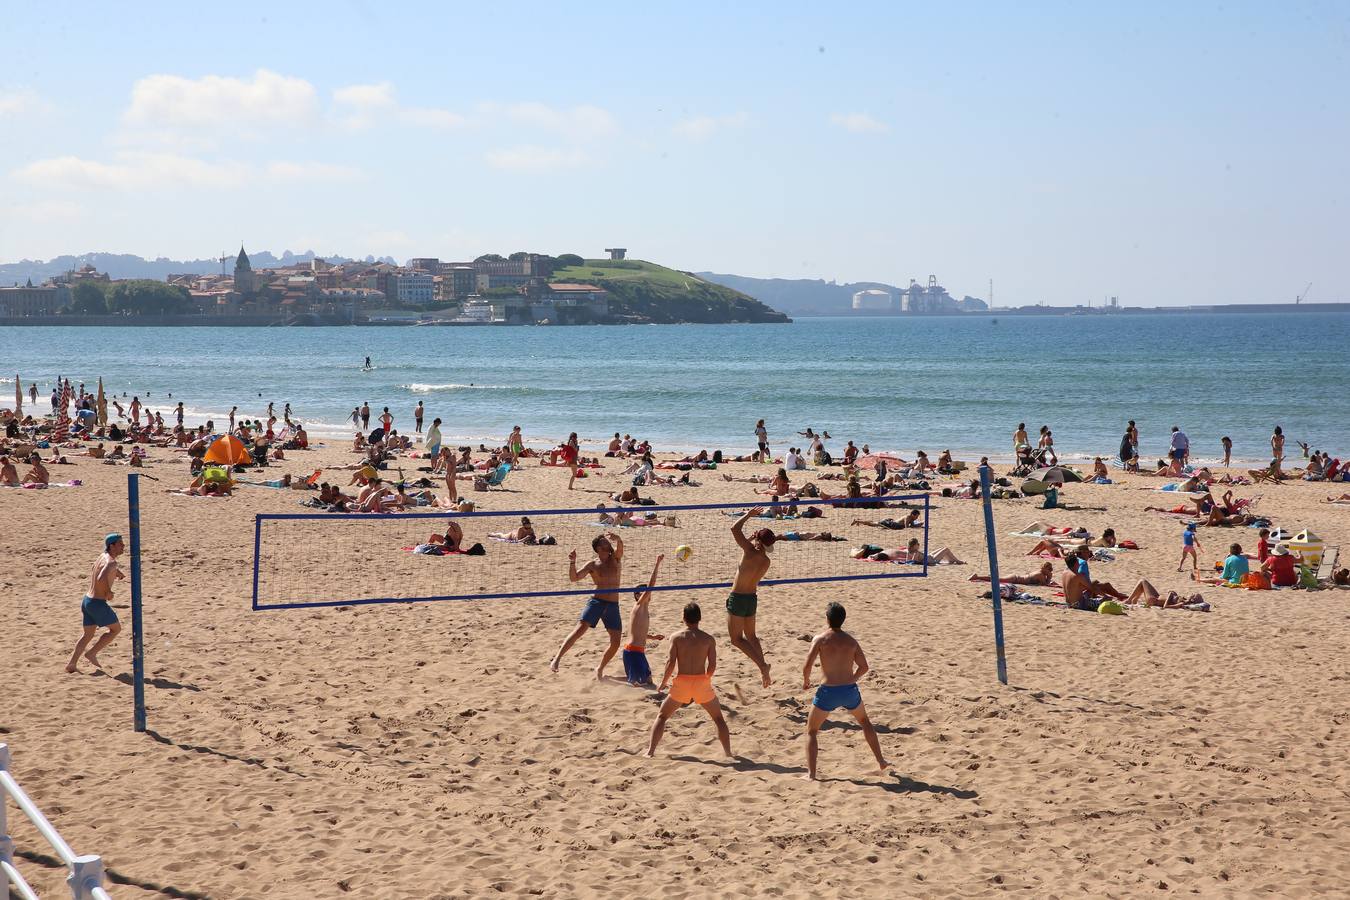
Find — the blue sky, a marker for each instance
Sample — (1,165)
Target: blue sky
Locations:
(1166,153)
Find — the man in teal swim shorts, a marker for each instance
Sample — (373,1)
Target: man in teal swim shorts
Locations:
(743,602)
(842,663)
(97,613)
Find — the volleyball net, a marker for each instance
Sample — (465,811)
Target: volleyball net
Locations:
(305,560)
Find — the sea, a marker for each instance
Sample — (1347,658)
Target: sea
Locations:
(896,384)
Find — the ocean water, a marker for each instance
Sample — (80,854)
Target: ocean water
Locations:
(897,384)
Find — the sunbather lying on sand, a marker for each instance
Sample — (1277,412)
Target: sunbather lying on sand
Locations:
(1042,577)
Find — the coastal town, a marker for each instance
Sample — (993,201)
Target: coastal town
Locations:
(492,289)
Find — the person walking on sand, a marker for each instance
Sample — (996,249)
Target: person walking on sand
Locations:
(365,416)
(693,652)
(1227,443)
(1020,440)
(1190,543)
(762,438)
(418,413)
(1277,451)
(603,607)
(570,451)
(97,613)
(743,601)
(842,663)
(635,666)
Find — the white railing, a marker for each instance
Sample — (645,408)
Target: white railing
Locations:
(86,872)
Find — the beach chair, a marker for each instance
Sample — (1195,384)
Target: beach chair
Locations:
(1328,566)
(1264,476)
(498,475)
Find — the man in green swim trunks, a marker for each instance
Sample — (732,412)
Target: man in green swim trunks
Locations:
(743,602)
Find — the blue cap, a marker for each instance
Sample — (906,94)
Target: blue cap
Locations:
(111,539)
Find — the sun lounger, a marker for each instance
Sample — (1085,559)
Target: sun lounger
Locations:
(1328,566)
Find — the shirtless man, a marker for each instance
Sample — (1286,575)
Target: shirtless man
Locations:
(97,613)
(604,571)
(695,653)
(743,601)
(635,665)
(842,663)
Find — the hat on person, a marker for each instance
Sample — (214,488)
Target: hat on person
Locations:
(114,537)
(1280,550)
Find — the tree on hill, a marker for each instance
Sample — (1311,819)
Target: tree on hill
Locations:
(140,298)
(570,259)
(519,256)
(88,300)
(491,257)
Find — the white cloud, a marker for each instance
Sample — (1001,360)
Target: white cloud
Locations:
(859,123)
(363,105)
(700,128)
(536,159)
(148,171)
(283,170)
(17,101)
(584,122)
(221,103)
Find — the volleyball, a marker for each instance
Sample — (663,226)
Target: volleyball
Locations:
(683,552)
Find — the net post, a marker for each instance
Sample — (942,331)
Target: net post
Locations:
(137,637)
(257,548)
(996,592)
(927,517)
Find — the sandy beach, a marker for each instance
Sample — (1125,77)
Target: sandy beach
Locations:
(425,750)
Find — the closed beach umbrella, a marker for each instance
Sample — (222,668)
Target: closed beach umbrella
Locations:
(102,404)
(18,396)
(228,451)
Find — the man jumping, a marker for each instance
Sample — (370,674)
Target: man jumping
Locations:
(605,571)
(743,601)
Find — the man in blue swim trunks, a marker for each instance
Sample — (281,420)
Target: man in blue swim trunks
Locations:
(842,663)
(605,570)
(97,613)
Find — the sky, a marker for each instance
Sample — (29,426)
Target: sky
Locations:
(1163,153)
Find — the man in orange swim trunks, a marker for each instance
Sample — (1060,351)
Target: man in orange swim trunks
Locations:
(695,653)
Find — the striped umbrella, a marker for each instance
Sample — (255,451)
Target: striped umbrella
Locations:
(62,428)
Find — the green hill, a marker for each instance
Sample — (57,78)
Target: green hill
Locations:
(644,291)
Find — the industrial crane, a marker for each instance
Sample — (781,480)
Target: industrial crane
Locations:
(1303,296)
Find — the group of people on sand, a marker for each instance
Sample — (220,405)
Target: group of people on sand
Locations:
(692,660)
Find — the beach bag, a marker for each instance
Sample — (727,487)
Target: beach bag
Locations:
(480,484)
(476,550)
(1111,608)
(1307,578)
(1256,581)
(717,456)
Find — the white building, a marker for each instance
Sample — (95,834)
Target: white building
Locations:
(873,300)
(417,288)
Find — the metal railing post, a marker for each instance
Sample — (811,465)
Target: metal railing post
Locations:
(6,843)
(86,877)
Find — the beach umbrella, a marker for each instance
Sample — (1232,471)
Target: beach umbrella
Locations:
(1056,475)
(102,404)
(18,397)
(228,451)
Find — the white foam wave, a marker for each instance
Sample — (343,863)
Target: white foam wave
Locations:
(419,388)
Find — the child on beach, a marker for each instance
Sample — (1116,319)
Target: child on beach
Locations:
(635,666)
(1190,543)
(694,652)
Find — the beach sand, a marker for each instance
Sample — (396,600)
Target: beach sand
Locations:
(426,750)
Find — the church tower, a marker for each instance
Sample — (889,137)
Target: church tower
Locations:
(243,274)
